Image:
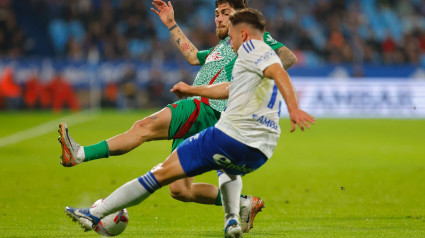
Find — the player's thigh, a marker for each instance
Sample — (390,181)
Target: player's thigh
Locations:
(155,126)
(170,171)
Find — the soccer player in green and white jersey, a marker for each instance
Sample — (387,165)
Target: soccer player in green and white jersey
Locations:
(183,118)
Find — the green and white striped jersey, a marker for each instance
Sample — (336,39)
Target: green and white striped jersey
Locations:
(217,65)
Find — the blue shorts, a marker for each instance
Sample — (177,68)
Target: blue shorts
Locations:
(212,149)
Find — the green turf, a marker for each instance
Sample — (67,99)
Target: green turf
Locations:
(343,178)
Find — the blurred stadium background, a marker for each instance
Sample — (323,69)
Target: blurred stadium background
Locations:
(356,58)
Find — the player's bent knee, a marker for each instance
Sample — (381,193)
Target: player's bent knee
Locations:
(151,128)
(156,167)
(180,196)
(143,128)
(141,124)
(180,193)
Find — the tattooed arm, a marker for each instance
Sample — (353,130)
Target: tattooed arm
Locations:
(166,14)
(286,56)
(185,46)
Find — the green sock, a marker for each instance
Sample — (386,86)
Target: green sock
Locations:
(96,151)
(218,201)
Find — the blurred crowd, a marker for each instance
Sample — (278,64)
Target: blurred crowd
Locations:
(350,31)
(56,94)
(121,86)
(319,31)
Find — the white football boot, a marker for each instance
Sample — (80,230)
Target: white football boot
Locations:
(249,207)
(69,147)
(233,229)
(87,221)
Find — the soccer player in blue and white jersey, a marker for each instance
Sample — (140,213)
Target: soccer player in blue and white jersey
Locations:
(242,140)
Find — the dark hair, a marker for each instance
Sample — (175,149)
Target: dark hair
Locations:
(235,4)
(250,16)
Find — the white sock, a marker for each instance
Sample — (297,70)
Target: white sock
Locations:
(129,194)
(231,187)
(80,153)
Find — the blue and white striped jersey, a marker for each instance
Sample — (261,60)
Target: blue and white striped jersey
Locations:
(252,113)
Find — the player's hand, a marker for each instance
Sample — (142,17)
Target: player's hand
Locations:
(165,12)
(300,118)
(181,90)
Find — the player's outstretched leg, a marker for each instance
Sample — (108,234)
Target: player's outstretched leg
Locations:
(153,127)
(250,206)
(130,194)
(69,147)
(82,216)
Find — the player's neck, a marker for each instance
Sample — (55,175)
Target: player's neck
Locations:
(250,37)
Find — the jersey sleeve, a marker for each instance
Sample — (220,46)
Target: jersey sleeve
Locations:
(271,42)
(203,54)
(257,56)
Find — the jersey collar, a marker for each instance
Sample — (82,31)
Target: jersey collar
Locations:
(226,40)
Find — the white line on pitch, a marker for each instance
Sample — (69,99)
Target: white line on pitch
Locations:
(47,127)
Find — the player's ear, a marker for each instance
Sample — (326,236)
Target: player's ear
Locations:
(244,35)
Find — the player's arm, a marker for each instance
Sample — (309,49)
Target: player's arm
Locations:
(166,14)
(214,91)
(284,84)
(287,57)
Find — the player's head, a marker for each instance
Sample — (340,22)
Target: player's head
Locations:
(223,8)
(245,24)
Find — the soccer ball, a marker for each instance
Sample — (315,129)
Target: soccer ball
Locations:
(113,224)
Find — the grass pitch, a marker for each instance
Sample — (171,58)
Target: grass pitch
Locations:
(342,178)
